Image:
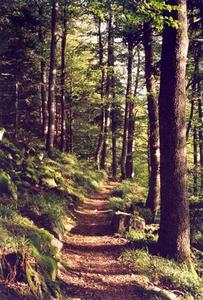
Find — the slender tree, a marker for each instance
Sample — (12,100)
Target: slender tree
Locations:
(174,233)
(153,199)
(129,96)
(52,79)
(200,110)
(63,76)
(109,88)
(43,75)
(101,65)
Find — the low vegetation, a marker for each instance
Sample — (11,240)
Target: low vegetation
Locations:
(38,195)
(142,254)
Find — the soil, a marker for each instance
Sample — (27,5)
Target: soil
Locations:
(95,269)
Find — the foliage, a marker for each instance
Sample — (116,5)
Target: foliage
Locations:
(126,195)
(165,272)
(34,223)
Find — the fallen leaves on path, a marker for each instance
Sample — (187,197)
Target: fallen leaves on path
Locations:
(92,254)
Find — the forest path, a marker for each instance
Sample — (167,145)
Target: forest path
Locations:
(92,255)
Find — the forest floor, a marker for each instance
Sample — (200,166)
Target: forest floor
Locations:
(95,269)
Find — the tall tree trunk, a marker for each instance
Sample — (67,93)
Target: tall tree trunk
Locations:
(70,123)
(153,199)
(200,109)
(106,141)
(102,126)
(109,88)
(16,108)
(52,80)
(195,176)
(114,137)
(174,233)
(131,126)
(127,109)
(43,88)
(190,118)
(63,75)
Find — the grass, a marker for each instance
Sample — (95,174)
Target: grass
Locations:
(126,195)
(164,272)
(38,195)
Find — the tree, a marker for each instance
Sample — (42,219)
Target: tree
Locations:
(52,80)
(63,77)
(174,234)
(153,199)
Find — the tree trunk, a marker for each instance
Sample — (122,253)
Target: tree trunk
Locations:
(52,80)
(153,199)
(190,118)
(195,176)
(200,109)
(114,138)
(131,126)
(70,123)
(109,88)
(127,109)
(105,141)
(174,233)
(16,108)
(43,88)
(63,75)
(102,126)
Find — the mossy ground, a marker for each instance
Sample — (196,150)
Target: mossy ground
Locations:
(38,195)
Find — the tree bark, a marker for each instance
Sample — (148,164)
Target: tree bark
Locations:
(127,109)
(174,233)
(52,80)
(153,198)
(109,88)
(70,123)
(131,127)
(16,108)
(200,109)
(63,76)
(43,88)
(102,126)
(195,174)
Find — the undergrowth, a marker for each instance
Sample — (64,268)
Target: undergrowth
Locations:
(166,273)
(38,195)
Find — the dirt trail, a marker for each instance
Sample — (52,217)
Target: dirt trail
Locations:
(92,255)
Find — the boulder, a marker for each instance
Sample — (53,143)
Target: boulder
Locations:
(121,222)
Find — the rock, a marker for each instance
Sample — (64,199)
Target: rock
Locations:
(137,222)
(121,222)
(49,182)
(57,244)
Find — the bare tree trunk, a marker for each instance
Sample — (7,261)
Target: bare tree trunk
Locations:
(114,138)
(63,75)
(195,176)
(127,109)
(16,108)
(106,141)
(70,123)
(190,119)
(153,199)
(109,88)
(43,88)
(131,127)
(52,80)
(174,233)
(200,109)
(102,126)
